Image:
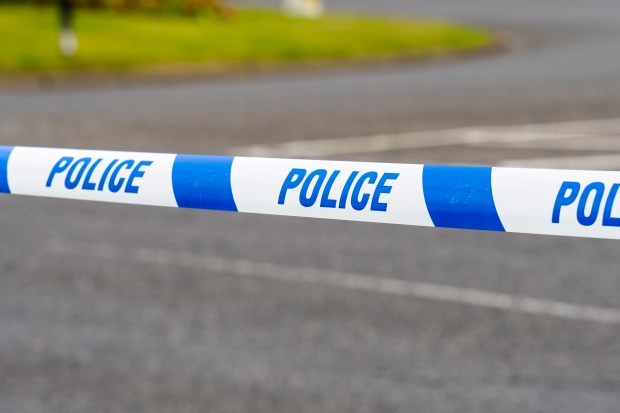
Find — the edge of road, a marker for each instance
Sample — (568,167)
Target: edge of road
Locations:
(502,42)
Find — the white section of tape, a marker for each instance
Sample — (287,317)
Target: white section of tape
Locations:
(123,177)
(259,184)
(526,199)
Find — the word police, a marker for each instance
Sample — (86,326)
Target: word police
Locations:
(358,191)
(95,175)
(592,194)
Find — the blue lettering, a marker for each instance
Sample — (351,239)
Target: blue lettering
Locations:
(72,183)
(381,189)
(325,201)
(90,186)
(345,191)
(293,180)
(316,183)
(599,189)
(608,220)
(565,198)
(116,185)
(104,177)
(304,199)
(357,203)
(136,173)
(60,166)
(84,171)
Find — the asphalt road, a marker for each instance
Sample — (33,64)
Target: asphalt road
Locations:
(112,308)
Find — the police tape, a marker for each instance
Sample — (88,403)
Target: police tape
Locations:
(535,201)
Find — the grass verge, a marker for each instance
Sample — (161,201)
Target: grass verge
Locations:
(253,38)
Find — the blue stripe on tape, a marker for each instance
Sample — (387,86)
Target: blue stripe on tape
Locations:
(460,197)
(203,182)
(5,152)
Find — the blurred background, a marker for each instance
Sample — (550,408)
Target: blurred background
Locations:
(117,308)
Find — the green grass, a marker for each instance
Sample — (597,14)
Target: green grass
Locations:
(254,37)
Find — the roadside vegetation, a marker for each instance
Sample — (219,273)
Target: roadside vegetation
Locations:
(246,38)
(219,8)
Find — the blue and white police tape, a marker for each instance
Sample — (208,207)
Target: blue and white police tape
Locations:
(536,201)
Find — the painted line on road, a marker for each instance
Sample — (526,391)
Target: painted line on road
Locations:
(585,162)
(579,144)
(391,142)
(433,138)
(353,281)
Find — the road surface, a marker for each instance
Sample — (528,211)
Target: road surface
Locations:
(113,308)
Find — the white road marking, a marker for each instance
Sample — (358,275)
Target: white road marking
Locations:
(592,162)
(582,127)
(392,142)
(589,143)
(428,139)
(354,281)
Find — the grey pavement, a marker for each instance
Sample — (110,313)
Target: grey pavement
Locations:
(86,325)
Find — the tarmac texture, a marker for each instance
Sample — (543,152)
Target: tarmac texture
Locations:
(114,308)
